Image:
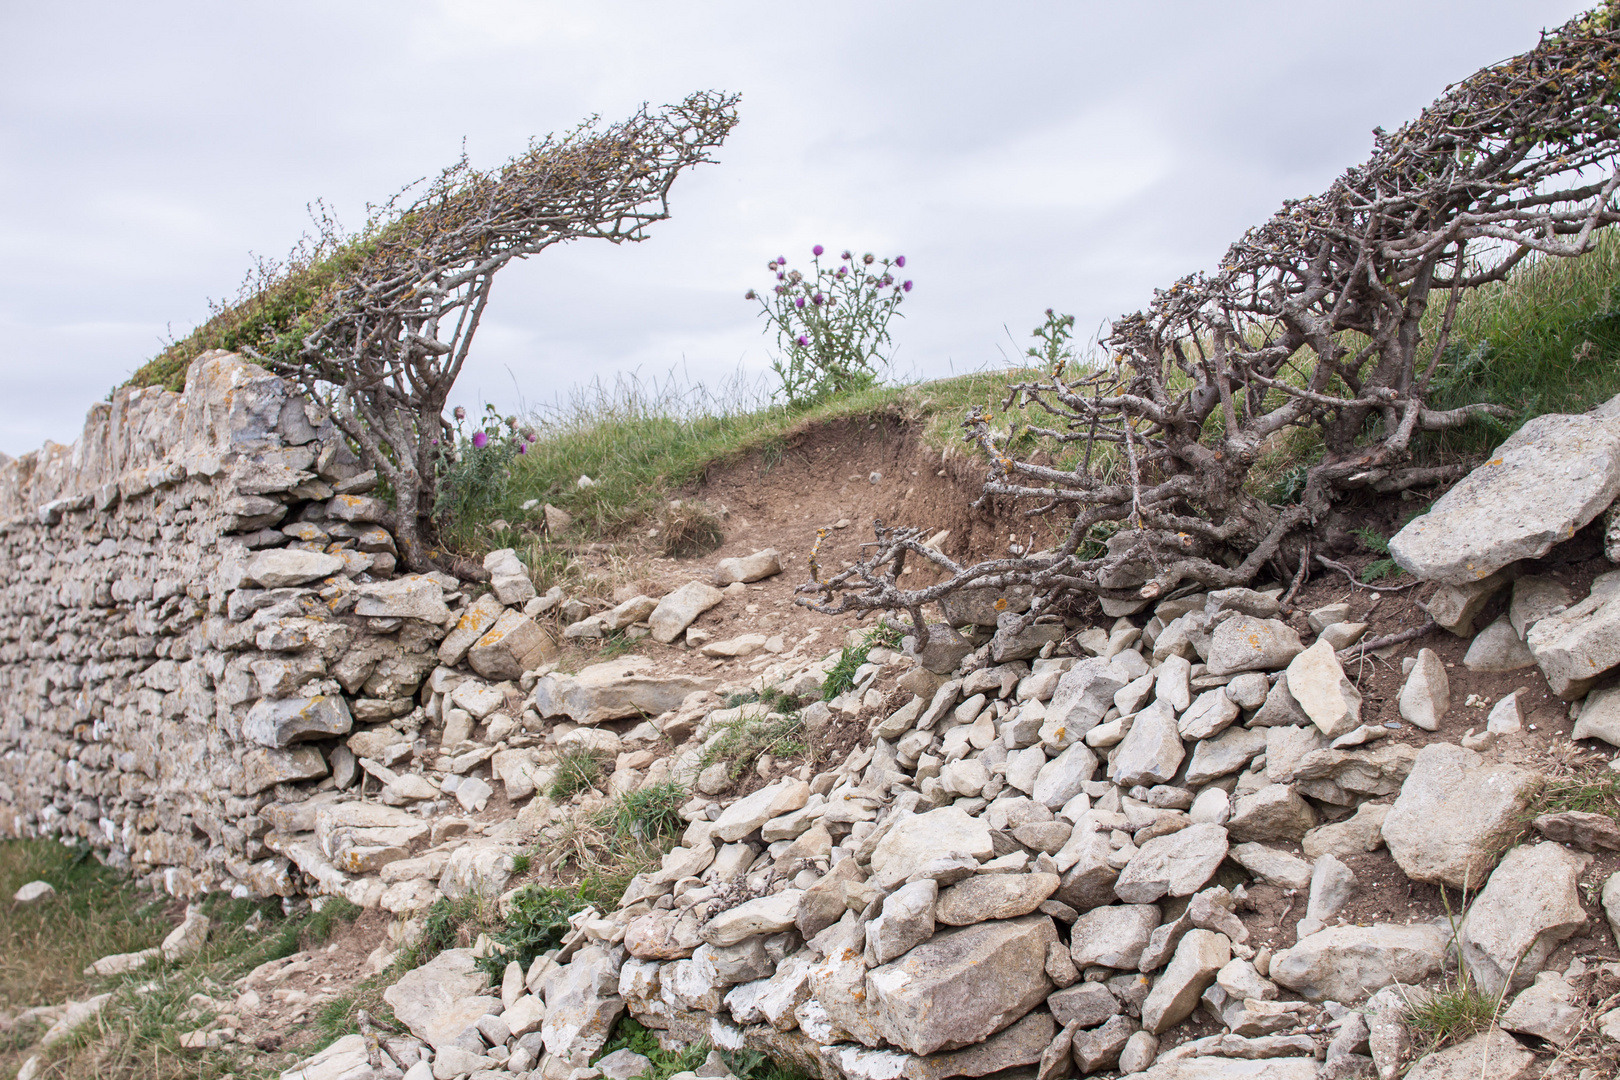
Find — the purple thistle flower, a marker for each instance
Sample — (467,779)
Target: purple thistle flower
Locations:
(780,275)
(798,302)
(802,340)
(842,270)
(906,286)
(523,448)
(780,289)
(782,259)
(900,260)
(480,440)
(818,299)
(749,295)
(817,250)
(846,256)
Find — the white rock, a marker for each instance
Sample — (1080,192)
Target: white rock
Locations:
(1318,683)
(1198,958)
(1426,694)
(1498,648)
(1537,489)
(1453,814)
(1346,963)
(677,610)
(1530,906)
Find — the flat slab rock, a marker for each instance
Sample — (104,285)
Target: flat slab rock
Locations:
(1550,478)
(441,999)
(613,691)
(1453,814)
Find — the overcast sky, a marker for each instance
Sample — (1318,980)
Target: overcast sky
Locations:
(1020,155)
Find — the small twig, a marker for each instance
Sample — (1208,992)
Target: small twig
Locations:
(1357,582)
(1387,640)
(1300,576)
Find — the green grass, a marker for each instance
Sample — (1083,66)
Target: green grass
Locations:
(643,444)
(577,770)
(1545,340)
(536,921)
(98,911)
(1451,1014)
(600,853)
(841,678)
(1594,793)
(741,742)
(629,1034)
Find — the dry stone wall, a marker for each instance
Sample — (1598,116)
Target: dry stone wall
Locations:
(199,600)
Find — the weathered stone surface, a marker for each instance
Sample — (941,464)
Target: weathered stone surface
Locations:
(677,610)
(474,623)
(1219,1068)
(1274,813)
(1318,683)
(1227,753)
(1426,694)
(907,920)
(994,896)
(582,1002)
(265,767)
(283,721)
(1151,751)
(1490,1055)
(1534,598)
(755,567)
(763,915)
(1498,648)
(1211,714)
(1060,779)
(277,568)
(1113,936)
(413,596)
(360,837)
(1600,716)
(1453,814)
(514,645)
(442,998)
(1550,478)
(1531,904)
(943,652)
(1368,773)
(750,812)
(1581,829)
(1175,865)
(1100,1047)
(962,985)
(1245,643)
(629,686)
(1332,884)
(1083,696)
(1280,709)
(1276,867)
(1546,1010)
(920,838)
(1578,644)
(1346,963)
(1201,954)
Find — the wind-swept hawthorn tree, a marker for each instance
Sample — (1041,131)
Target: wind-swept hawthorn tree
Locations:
(1313,321)
(380,324)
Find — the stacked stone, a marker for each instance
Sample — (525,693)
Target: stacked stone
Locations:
(202,604)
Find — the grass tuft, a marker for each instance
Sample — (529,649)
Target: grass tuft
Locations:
(577,771)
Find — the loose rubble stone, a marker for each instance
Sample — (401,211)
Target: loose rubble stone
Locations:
(33,891)
(1113,936)
(919,839)
(1534,598)
(1227,753)
(1426,694)
(1575,646)
(1083,696)
(1455,607)
(1201,954)
(1453,814)
(1100,1047)
(1176,865)
(907,920)
(1271,865)
(1587,831)
(1600,716)
(1530,906)
(1274,813)
(442,998)
(1280,709)
(514,645)
(1332,884)
(1498,648)
(994,896)
(1151,751)
(1346,963)
(1545,1010)
(1246,643)
(1211,714)
(943,652)
(747,568)
(1493,1054)
(582,1003)
(1547,480)
(1318,683)
(962,985)
(613,690)
(765,915)
(679,609)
